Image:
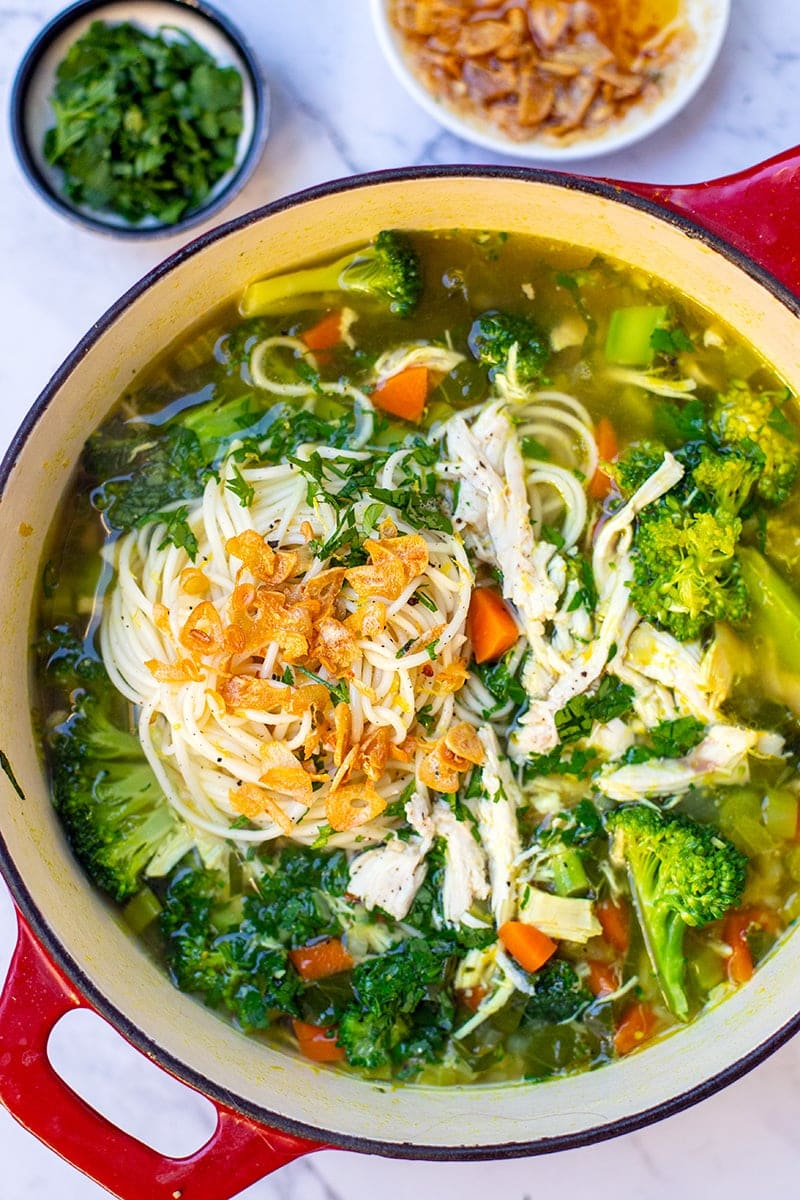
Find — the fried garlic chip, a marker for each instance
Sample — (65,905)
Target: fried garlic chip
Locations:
(394,562)
(258,557)
(255,802)
(203,632)
(353,805)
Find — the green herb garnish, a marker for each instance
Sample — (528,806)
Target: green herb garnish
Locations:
(145,124)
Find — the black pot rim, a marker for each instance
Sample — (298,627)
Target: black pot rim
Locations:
(240,175)
(25,900)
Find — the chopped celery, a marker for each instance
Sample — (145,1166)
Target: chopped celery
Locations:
(198,350)
(760,942)
(142,910)
(466,384)
(779,813)
(438,410)
(328,409)
(707,968)
(508,1018)
(782,544)
(569,875)
(629,332)
(793,863)
(740,819)
(758,819)
(236,879)
(773,626)
(740,361)
(440,1074)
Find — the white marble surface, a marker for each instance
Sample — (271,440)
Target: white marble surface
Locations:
(337,111)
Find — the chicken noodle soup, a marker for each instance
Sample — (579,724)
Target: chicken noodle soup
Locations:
(420,661)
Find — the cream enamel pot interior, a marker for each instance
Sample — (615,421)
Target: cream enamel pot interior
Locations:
(272,1106)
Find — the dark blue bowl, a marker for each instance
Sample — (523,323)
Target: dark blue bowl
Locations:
(31,114)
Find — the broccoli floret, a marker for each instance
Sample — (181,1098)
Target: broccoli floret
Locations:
(716,478)
(387,271)
(725,480)
(494,334)
(401,1013)
(681,874)
(226,952)
(559,994)
(366,1036)
(66,659)
(636,465)
(685,571)
(757,420)
(116,817)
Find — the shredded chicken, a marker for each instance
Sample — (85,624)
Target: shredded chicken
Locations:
(465,878)
(494,512)
(721,757)
(497,824)
(682,667)
(612,739)
(438,359)
(390,876)
(616,618)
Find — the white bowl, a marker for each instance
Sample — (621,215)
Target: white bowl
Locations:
(708,20)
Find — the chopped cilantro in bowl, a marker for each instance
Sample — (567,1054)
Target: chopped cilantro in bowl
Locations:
(139,128)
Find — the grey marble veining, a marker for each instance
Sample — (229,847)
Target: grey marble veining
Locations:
(336,111)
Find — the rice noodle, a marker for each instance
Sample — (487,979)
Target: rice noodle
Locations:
(203,749)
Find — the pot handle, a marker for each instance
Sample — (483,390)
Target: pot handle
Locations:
(756,210)
(36,994)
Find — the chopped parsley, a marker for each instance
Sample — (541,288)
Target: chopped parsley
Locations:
(340,691)
(145,124)
(177,532)
(613,698)
(574,721)
(671,341)
(503,683)
(668,739)
(244,491)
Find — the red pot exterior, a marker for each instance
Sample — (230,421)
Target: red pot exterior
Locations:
(35,996)
(754,211)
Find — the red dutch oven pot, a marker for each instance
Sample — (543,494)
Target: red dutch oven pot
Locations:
(733,245)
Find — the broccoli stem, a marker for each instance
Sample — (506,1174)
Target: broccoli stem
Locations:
(663,932)
(265,295)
